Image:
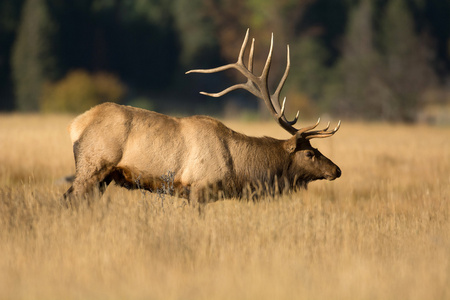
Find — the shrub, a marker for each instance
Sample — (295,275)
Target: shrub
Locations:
(80,90)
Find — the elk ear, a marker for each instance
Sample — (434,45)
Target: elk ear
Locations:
(291,144)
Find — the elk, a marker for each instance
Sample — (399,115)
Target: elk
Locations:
(135,147)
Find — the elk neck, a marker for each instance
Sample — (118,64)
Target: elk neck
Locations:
(259,158)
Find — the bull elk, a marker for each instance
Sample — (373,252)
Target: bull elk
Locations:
(135,147)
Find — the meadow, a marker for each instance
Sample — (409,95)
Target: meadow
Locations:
(381,231)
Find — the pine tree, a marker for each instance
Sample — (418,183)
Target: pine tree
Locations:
(196,31)
(358,65)
(31,59)
(406,71)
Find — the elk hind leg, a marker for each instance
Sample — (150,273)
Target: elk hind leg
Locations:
(87,181)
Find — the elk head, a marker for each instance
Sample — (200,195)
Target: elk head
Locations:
(306,163)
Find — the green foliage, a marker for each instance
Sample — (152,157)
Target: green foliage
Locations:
(309,71)
(358,66)
(308,77)
(195,30)
(261,12)
(79,91)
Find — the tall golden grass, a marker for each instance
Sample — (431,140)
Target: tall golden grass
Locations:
(381,231)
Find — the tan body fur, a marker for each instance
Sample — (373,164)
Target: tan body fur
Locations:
(135,147)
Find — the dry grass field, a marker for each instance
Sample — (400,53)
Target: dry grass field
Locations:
(381,231)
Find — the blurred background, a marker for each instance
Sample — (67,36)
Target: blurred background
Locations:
(366,60)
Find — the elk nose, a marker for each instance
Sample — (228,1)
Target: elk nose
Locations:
(338,172)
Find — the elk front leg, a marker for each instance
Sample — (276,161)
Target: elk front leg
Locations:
(198,196)
(203,193)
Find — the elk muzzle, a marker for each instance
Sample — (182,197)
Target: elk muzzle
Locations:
(334,173)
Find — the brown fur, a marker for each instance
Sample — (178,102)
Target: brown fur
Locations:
(135,147)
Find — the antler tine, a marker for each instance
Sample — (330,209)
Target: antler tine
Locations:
(305,129)
(295,119)
(250,56)
(237,65)
(244,45)
(245,86)
(325,129)
(276,95)
(283,107)
(322,133)
(285,75)
(213,70)
(265,73)
(306,133)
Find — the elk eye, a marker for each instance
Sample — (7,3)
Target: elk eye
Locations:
(309,154)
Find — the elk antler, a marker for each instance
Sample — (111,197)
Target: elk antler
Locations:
(258,86)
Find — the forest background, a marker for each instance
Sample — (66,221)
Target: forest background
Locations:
(373,60)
